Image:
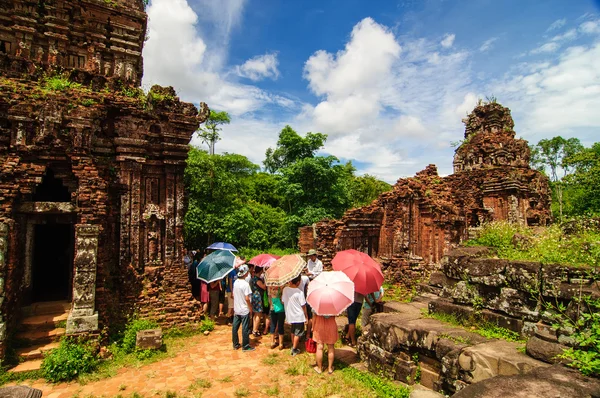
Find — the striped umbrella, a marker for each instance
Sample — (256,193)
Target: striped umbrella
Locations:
(284,270)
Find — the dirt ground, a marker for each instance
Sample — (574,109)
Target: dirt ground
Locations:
(210,358)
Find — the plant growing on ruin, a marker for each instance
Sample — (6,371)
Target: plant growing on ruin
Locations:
(68,361)
(585,355)
(58,83)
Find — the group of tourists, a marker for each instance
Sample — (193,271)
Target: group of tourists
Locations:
(262,310)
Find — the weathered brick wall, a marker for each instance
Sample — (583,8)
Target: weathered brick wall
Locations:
(102,37)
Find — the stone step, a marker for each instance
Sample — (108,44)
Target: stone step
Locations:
(43,322)
(35,337)
(36,352)
(27,366)
(46,308)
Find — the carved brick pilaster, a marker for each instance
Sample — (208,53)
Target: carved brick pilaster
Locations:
(3,251)
(83,317)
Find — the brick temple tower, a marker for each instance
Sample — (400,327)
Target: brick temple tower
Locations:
(91,170)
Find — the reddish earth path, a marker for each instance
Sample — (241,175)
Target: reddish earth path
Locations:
(207,357)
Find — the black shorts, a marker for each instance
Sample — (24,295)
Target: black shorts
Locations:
(298,329)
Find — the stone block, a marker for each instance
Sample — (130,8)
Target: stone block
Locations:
(544,350)
(149,339)
(515,303)
(430,376)
(81,323)
(439,279)
(524,276)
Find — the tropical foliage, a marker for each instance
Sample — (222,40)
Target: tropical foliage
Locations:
(231,199)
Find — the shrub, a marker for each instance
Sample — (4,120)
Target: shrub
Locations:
(68,361)
(59,83)
(585,355)
(207,325)
(128,344)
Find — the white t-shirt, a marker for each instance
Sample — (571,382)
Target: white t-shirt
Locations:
(304,280)
(314,267)
(293,300)
(241,290)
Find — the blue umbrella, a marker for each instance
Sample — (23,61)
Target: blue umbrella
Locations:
(222,246)
(215,266)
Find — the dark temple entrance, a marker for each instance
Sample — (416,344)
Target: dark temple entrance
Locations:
(52,266)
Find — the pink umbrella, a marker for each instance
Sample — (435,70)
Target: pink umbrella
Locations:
(361,269)
(263,260)
(330,293)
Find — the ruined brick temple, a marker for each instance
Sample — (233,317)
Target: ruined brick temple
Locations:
(91,169)
(423,216)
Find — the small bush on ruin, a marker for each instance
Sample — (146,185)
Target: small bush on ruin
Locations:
(136,325)
(585,354)
(207,325)
(59,83)
(68,361)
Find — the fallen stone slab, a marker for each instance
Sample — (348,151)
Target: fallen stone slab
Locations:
(496,358)
(556,381)
(150,339)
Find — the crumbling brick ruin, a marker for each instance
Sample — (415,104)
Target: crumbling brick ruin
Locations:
(422,217)
(91,170)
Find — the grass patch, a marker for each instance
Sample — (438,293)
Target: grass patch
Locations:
(242,392)
(199,384)
(349,382)
(18,378)
(272,391)
(59,83)
(572,242)
(271,359)
(226,379)
(298,366)
(397,292)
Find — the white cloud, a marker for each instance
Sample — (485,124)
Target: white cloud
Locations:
(560,97)
(177,55)
(590,27)
(488,44)
(382,95)
(559,23)
(448,40)
(546,48)
(260,67)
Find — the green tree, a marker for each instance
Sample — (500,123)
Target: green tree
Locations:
(551,154)
(367,188)
(291,147)
(209,133)
(585,179)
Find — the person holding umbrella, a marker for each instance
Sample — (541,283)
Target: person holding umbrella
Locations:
(329,294)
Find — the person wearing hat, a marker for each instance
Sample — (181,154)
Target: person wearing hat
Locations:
(314,266)
(242,310)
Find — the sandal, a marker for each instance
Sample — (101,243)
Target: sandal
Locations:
(318,370)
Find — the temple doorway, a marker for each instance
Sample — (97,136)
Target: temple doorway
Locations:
(52,265)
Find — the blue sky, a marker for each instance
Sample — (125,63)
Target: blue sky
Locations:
(388,80)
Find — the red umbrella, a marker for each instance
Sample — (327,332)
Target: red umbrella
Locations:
(361,269)
(263,260)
